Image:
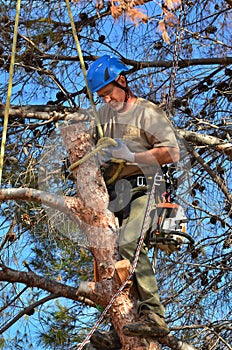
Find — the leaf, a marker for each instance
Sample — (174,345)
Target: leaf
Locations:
(136,16)
(99,4)
(163,29)
(2,343)
(170,18)
(172,4)
(59,278)
(116,11)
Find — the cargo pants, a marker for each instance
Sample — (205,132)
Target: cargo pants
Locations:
(144,277)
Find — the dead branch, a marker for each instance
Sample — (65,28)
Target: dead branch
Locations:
(31,279)
(207,140)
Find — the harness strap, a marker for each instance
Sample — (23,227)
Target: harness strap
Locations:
(125,88)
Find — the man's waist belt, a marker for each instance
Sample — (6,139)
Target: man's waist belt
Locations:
(136,181)
(124,191)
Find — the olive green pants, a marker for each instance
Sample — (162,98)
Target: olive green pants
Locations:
(145,279)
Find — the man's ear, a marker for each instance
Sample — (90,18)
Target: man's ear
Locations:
(122,80)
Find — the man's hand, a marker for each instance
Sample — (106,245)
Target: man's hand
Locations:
(104,156)
(122,151)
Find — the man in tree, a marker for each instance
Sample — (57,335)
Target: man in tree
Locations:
(145,141)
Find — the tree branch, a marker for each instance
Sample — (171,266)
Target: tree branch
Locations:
(73,207)
(203,139)
(27,311)
(31,279)
(46,113)
(217,179)
(29,194)
(181,64)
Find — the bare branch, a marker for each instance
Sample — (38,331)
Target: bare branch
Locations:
(30,194)
(217,179)
(27,311)
(181,64)
(203,139)
(31,279)
(47,113)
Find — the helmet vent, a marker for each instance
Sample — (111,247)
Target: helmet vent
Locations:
(106,74)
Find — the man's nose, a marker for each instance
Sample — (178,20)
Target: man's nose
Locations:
(107,99)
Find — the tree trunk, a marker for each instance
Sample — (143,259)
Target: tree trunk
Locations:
(100,227)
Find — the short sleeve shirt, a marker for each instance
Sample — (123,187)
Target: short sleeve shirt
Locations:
(143,126)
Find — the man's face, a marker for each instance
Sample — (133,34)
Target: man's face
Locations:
(113,95)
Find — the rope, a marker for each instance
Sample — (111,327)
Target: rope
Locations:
(99,127)
(95,114)
(11,72)
(102,143)
(117,172)
(145,226)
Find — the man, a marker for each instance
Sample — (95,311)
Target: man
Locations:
(146,141)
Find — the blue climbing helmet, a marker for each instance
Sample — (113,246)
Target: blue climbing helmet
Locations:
(104,71)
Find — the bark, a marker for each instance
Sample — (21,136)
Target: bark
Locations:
(181,64)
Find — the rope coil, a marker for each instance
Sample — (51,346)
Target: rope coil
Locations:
(102,143)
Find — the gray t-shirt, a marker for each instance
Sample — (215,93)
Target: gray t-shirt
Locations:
(143,126)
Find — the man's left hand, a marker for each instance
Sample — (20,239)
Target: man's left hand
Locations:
(122,152)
